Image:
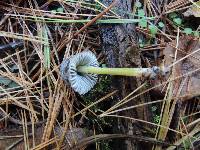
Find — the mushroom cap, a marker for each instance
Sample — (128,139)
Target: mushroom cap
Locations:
(80,82)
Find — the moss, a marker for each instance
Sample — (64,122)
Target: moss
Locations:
(101,125)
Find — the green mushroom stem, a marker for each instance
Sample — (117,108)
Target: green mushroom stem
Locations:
(136,72)
(81,71)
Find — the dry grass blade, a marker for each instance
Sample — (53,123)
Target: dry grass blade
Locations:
(168,108)
(96,138)
(45,144)
(25,131)
(98,101)
(184,138)
(53,114)
(146,122)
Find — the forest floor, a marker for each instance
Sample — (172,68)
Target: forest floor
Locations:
(40,109)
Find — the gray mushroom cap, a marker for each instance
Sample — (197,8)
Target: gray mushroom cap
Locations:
(80,82)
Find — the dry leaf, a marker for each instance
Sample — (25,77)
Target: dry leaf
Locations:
(188,86)
(193,11)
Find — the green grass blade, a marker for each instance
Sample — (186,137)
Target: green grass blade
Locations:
(46,48)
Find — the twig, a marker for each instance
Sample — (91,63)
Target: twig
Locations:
(61,45)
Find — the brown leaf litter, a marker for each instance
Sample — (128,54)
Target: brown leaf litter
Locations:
(186,71)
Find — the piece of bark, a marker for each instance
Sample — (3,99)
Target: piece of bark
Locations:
(17,143)
(119,43)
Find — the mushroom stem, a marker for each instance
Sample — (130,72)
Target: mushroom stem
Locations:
(137,72)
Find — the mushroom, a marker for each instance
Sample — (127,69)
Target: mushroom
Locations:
(81,71)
